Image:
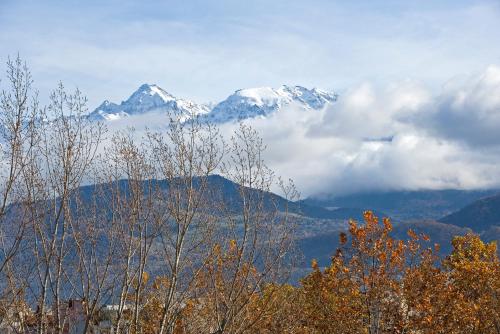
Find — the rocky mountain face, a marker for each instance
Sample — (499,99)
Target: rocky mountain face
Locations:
(263,101)
(242,104)
(148,98)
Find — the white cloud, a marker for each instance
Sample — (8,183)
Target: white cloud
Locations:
(401,137)
(468,113)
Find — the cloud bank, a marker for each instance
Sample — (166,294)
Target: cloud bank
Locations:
(399,137)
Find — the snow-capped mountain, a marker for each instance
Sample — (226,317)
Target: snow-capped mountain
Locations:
(255,102)
(243,104)
(148,98)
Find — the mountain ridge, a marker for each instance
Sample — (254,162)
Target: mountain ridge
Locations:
(229,194)
(242,104)
(406,204)
(481,216)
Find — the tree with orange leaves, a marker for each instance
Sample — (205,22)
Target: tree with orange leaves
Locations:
(371,285)
(332,300)
(374,284)
(474,273)
(458,296)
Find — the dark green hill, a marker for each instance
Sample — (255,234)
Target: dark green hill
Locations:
(228,192)
(480,216)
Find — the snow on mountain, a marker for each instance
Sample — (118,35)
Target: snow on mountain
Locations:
(146,99)
(243,104)
(260,102)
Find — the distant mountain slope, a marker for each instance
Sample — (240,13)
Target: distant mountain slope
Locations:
(322,246)
(318,228)
(492,234)
(228,193)
(406,205)
(480,216)
(438,232)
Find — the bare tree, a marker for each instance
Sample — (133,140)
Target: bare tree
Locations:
(65,152)
(98,247)
(19,113)
(185,158)
(79,225)
(193,219)
(255,238)
(132,224)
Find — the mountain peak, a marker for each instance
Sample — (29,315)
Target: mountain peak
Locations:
(150,91)
(262,101)
(147,98)
(106,104)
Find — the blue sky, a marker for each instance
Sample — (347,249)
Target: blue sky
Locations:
(205,50)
